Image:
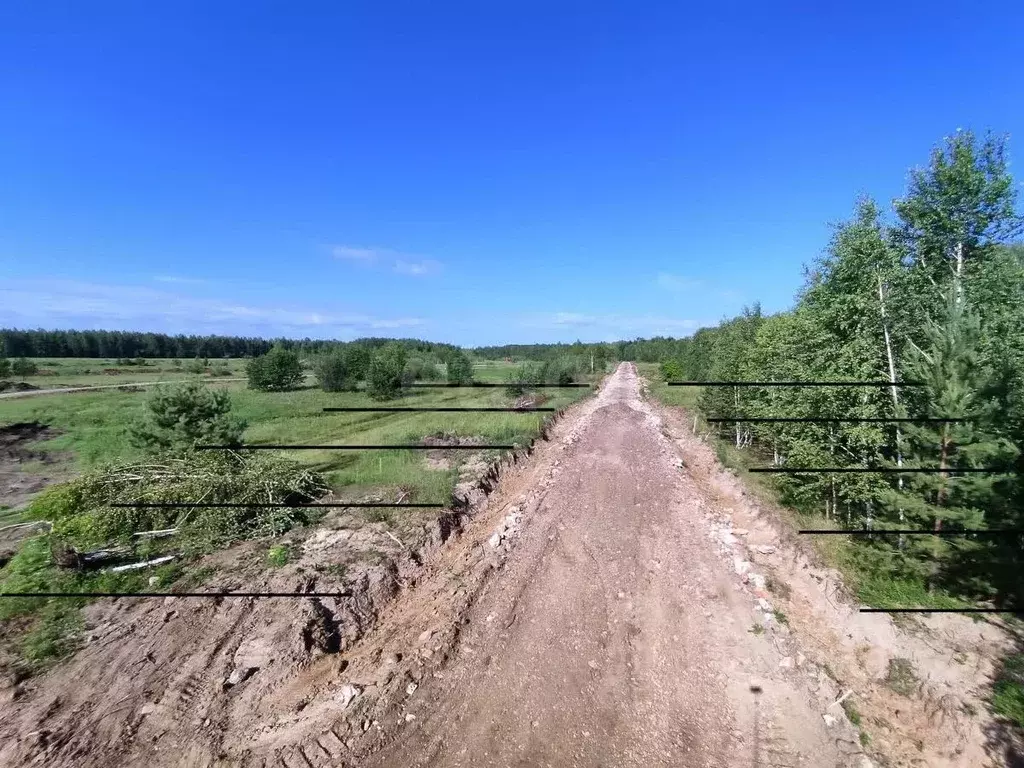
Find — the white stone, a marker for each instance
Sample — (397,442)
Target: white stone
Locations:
(410,688)
(348,694)
(829,720)
(495,540)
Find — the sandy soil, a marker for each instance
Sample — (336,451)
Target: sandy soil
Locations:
(617,600)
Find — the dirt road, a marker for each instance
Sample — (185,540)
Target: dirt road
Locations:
(615,634)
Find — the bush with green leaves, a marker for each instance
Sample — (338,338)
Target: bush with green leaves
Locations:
(672,370)
(276,371)
(384,378)
(334,372)
(22,366)
(5,367)
(458,368)
(358,358)
(180,416)
(420,369)
(525,377)
(83,517)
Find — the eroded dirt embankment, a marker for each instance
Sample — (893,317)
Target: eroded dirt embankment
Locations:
(183,681)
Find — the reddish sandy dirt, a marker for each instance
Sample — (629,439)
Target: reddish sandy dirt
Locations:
(608,604)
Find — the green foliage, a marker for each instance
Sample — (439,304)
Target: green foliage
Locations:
(420,369)
(83,518)
(384,377)
(181,416)
(195,366)
(524,378)
(458,368)
(22,366)
(1008,691)
(672,370)
(5,367)
(334,372)
(278,556)
(276,371)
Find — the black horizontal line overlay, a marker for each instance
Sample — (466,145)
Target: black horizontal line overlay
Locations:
(796,384)
(354,447)
(915,532)
(176,594)
(942,610)
(242,505)
(822,420)
(492,385)
(436,410)
(886,470)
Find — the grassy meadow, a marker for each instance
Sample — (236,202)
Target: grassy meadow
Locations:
(57,372)
(93,427)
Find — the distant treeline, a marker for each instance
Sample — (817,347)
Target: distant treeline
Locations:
(131,344)
(639,350)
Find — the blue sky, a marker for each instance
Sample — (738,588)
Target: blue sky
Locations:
(468,172)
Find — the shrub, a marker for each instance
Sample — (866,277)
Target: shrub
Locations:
(221,369)
(178,417)
(358,358)
(195,366)
(458,368)
(24,367)
(277,370)
(523,378)
(672,370)
(84,519)
(420,369)
(5,367)
(334,372)
(384,378)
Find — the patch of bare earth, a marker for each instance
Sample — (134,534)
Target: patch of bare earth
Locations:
(18,485)
(919,686)
(276,681)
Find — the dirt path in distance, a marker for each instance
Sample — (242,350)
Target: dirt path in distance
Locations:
(614,633)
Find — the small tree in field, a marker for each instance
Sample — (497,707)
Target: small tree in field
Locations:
(178,418)
(459,370)
(5,367)
(384,378)
(24,367)
(334,372)
(275,371)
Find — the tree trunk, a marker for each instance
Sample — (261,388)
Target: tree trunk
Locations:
(894,390)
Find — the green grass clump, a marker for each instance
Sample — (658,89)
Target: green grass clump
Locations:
(43,630)
(278,555)
(1008,691)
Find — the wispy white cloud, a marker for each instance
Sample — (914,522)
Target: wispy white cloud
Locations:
(69,303)
(401,263)
(677,283)
(417,268)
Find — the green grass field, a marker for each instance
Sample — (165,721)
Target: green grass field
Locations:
(82,371)
(94,426)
